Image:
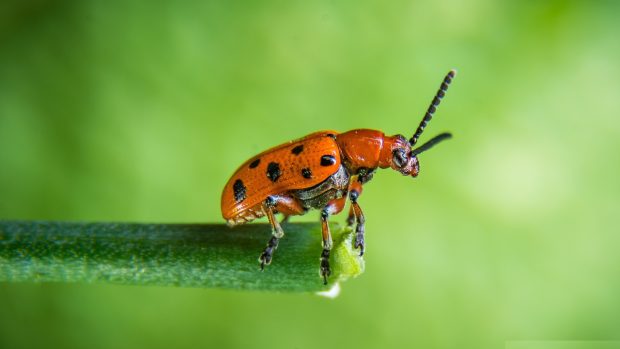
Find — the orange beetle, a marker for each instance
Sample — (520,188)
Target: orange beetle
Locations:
(319,171)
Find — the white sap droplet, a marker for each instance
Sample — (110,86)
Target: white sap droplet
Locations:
(332,293)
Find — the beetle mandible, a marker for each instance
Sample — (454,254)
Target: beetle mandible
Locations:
(320,171)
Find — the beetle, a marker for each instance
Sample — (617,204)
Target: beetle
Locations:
(320,171)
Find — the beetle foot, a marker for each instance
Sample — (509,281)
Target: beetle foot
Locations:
(267,255)
(265,259)
(325,270)
(359,241)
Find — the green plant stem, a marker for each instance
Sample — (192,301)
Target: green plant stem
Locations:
(187,255)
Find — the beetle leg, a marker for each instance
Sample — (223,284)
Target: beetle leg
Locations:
(351,217)
(327,246)
(332,207)
(277,233)
(354,193)
(355,185)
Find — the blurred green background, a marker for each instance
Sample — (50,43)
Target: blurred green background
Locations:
(140,111)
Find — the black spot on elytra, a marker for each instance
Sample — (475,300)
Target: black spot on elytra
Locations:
(298,149)
(328,160)
(273,171)
(306,173)
(331,135)
(254,163)
(239,190)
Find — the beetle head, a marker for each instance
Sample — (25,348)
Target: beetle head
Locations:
(400,157)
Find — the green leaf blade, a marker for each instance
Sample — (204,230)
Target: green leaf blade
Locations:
(183,255)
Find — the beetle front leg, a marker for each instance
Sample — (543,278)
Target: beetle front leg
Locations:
(354,194)
(277,233)
(351,217)
(356,185)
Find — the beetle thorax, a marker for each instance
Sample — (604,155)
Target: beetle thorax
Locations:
(360,149)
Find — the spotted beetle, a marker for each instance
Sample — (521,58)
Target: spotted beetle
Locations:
(319,171)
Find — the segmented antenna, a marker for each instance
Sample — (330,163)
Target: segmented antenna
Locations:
(428,145)
(433,107)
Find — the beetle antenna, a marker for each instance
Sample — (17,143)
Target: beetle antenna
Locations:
(428,145)
(433,107)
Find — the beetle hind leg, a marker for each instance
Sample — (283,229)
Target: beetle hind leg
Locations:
(287,206)
(277,233)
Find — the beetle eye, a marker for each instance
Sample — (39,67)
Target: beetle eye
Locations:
(399,158)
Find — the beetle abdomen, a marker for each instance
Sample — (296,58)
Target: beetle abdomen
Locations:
(334,187)
(247,215)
